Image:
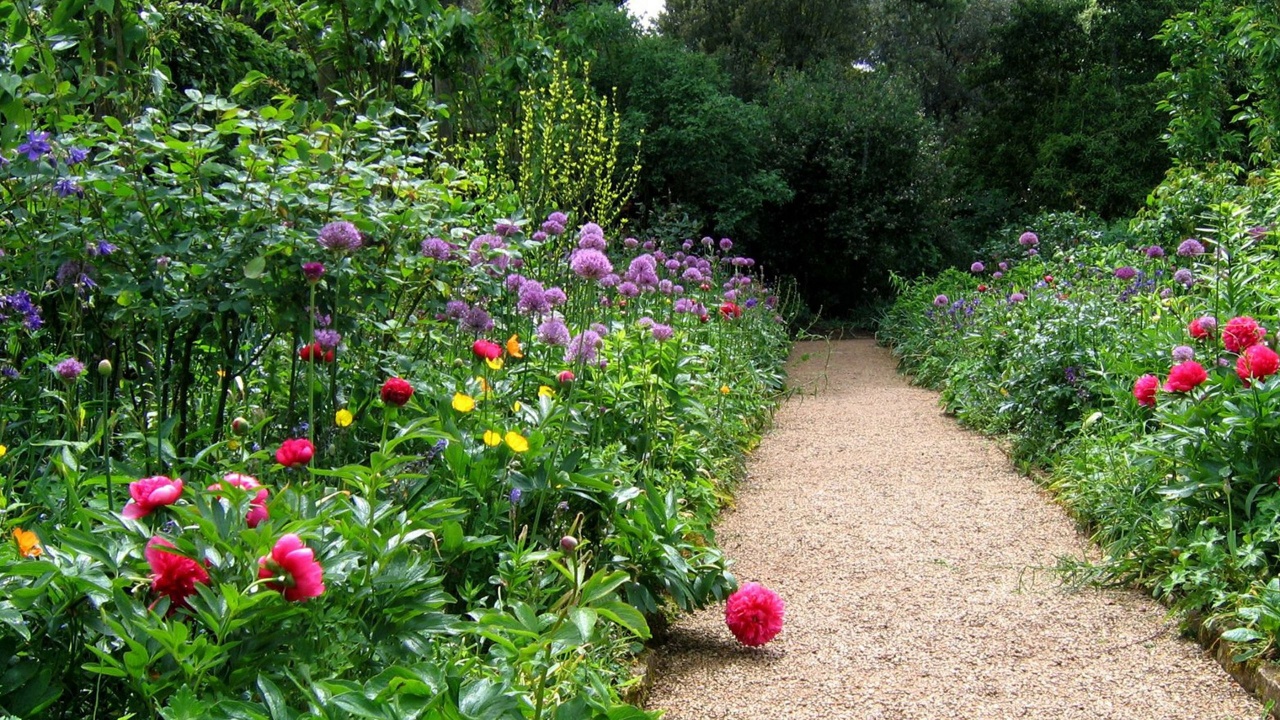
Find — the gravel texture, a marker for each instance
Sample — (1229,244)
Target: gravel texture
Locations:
(918,572)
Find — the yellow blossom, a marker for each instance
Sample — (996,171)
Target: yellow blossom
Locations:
(463,403)
(492,438)
(515,406)
(233,444)
(494,364)
(546,391)
(484,385)
(343,418)
(28,543)
(516,441)
(3,451)
(513,347)
(724,389)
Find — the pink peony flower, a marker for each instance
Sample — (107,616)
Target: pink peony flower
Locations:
(149,494)
(295,452)
(291,568)
(1185,376)
(486,349)
(257,506)
(1145,390)
(173,575)
(1257,362)
(754,614)
(1241,333)
(565,377)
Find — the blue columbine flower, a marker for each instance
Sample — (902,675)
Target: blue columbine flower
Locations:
(36,146)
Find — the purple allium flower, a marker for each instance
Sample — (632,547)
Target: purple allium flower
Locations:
(556,296)
(69,369)
(591,237)
(437,249)
(1125,273)
(533,299)
(1032,252)
(673,265)
(1155,251)
(942,301)
(328,339)
(628,289)
(1165,293)
(76,155)
(683,305)
(708,242)
(977,267)
(455,309)
(687,245)
(1184,277)
(553,331)
(665,287)
(610,280)
(631,243)
(477,320)
(731,295)
(539,236)
(648,246)
(1004,266)
(481,245)
(677,289)
(505,228)
(645,322)
(692,275)
(340,235)
(1190,248)
(997,275)
(1028,239)
(514,281)
(66,187)
(551,227)
(661,333)
(1183,353)
(582,348)
(36,146)
(1016,298)
(771,302)
(559,218)
(599,329)
(313,271)
(726,244)
(590,263)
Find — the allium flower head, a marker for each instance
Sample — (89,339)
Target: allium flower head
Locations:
(1183,353)
(1203,327)
(505,228)
(754,614)
(437,249)
(1144,390)
(661,333)
(150,493)
(582,347)
(69,369)
(1155,251)
(977,267)
(172,575)
(1125,273)
(477,320)
(555,296)
(533,299)
(1028,239)
(1241,333)
(1185,376)
(1190,248)
(1184,277)
(590,264)
(291,568)
(726,244)
(340,235)
(553,331)
(1017,297)
(591,237)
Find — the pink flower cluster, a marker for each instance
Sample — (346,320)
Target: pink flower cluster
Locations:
(754,614)
(1241,335)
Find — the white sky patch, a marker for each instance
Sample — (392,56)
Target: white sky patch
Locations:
(645,10)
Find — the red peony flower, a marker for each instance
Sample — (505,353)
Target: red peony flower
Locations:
(1185,376)
(731,310)
(396,391)
(1145,390)
(982,288)
(257,506)
(315,353)
(1241,333)
(173,575)
(486,349)
(1257,362)
(565,377)
(292,569)
(1202,328)
(754,614)
(295,452)
(149,494)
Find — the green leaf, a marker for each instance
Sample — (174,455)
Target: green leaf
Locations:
(273,698)
(358,705)
(254,269)
(601,586)
(626,616)
(485,700)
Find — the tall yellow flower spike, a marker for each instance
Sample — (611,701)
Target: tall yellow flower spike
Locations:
(516,441)
(513,347)
(28,543)
(463,403)
(546,391)
(492,438)
(343,418)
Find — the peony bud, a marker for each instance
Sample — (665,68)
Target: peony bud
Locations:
(568,543)
(239,426)
(104,368)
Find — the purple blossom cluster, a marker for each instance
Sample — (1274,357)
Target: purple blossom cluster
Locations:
(20,303)
(340,236)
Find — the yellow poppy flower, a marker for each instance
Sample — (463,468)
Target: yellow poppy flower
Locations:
(513,347)
(28,543)
(494,364)
(463,403)
(516,441)
(724,389)
(3,451)
(343,418)
(484,385)
(515,406)
(546,391)
(492,438)
(233,444)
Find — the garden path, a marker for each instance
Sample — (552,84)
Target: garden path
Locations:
(917,567)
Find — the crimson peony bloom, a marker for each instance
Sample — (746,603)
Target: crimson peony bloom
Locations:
(295,452)
(315,353)
(257,506)
(486,349)
(1241,333)
(149,494)
(396,391)
(292,569)
(1257,362)
(565,377)
(1203,328)
(173,575)
(1145,390)
(730,310)
(754,614)
(1185,376)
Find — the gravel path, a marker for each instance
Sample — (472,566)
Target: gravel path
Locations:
(917,569)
